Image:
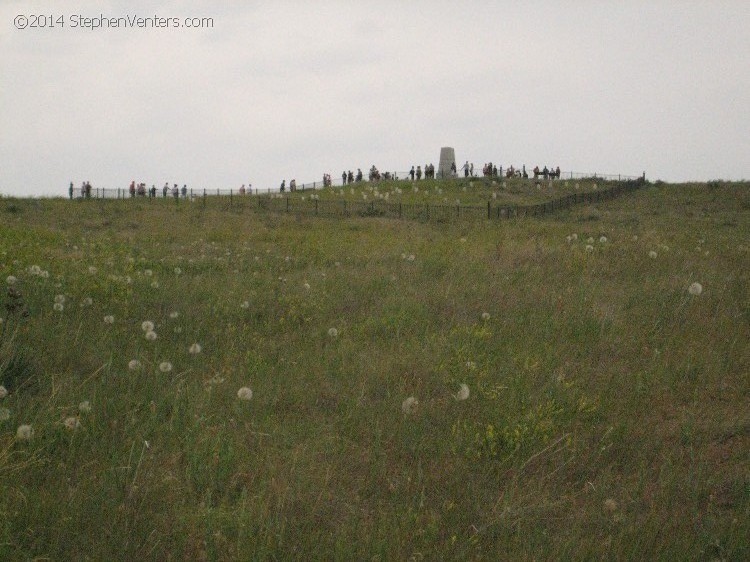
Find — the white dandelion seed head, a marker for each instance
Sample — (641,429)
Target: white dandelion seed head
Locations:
(60,299)
(24,432)
(471,365)
(58,306)
(148,273)
(4,414)
(147,326)
(574,236)
(245,305)
(602,239)
(306,286)
(610,504)
(174,314)
(590,240)
(485,315)
(195,349)
(151,336)
(3,392)
(44,274)
(71,423)
(411,257)
(695,289)
(165,366)
(134,364)
(154,284)
(409,406)
(245,393)
(463,392)
(92,270)
(84,407)
(589,248)
(35,270)
(11,279)
(652,255)
(88,301)
(333,332)
(109,319)
(177,271)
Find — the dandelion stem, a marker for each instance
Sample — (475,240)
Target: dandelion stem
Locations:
(547,448)
(137,468)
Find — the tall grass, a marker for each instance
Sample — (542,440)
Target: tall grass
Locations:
(607,417)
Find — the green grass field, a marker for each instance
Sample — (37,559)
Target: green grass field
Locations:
(608,407)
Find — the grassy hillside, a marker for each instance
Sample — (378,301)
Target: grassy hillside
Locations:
(608,407)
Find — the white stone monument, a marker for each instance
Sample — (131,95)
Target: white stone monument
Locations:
(447,159)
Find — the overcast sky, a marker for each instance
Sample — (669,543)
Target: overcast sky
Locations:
(281,90)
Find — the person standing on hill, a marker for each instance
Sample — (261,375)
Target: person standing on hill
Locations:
(411,173)
(70,191)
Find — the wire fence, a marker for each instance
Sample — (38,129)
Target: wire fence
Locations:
(437,212)
(185,193)
(426,211)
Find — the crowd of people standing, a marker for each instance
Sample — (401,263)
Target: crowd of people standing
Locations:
(489,170)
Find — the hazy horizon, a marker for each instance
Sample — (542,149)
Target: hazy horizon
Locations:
(273,91)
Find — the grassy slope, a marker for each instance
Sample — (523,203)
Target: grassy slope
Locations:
(609,413)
